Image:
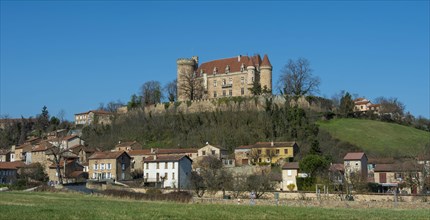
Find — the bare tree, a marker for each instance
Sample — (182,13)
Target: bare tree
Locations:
(151,92)
(238,185)
(254,155)
(171,89)
(390,105)
(297,80)
(259,184)
(191,86)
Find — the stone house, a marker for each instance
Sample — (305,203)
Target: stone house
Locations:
(9,171)
(242,154)
(355,165)
(224,77)
(168,171)
(70,169)
(67,142)
(273,152)
(289,175)
(4,155)
(127,146)
(109,166)
(407,176)
(93,117)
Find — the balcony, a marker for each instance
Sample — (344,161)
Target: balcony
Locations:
(229,85)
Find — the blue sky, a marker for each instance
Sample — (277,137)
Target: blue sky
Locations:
(74,55)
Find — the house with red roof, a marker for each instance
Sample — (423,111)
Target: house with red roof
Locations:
(355,166)
(9,171)
(364,105)
(226,77)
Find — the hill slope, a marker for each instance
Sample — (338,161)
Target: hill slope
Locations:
(378,138)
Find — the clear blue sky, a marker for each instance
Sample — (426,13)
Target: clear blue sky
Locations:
(72,56)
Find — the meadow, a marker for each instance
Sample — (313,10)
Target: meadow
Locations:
(44,205)
(378,138)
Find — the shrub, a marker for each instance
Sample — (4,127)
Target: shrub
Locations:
(180,196)
(291,186)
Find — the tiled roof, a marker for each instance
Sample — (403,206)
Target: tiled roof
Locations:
(107,155)
(176,151)
(140,152)
(266,61)
(234,63)
(244,147)
(76,174)
(275,144)
(4,151)
(97,112)
(165,158)
(401,167)
(354,156)
(127,143)
(337,167)
(11,165)
(53,165)
(291,166)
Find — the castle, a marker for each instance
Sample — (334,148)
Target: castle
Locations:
(221,78)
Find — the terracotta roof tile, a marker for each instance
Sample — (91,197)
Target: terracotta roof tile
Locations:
(275,144)
(165,158)
(234,63)
(97,112)
(291,166)
(107,155)
(354,156)
(11,165)
(266,61)
(140,152)
(337,167)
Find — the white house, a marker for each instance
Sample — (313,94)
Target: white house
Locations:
(168,171)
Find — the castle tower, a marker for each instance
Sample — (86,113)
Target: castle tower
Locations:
(250,68)
(266,73)
(185,67)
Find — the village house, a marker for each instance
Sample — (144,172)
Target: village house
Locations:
(93,117)
(272,152)
(4,155)
(70,169)
(9,171)
(82,152)
(67,142)
(355,165)
(364,105)
(168,171)
(290,172)
(109,166)
(407,176)
(137,158)
(127,146)
(337,174)
(217,152)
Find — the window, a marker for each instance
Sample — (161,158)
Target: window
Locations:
(223,82)
(259,151)
(289,172)
(213,152)
(242,80)
(227,69)
(277,151)
(94,175)
(165,176)
(165,165)
(230,92)
(267,152)
(109,175)
(285,151)
(95,167)
(109,166)
(146,175)
(242,91)
(259,160)
(173,176)
(223,92)
(252,79)
(214,94)
(356,163)
(158,177)
(123,166)
(173,165)
(102,166)
(230,81)
(147,165)
(203,153)
(158,165)
(215,83)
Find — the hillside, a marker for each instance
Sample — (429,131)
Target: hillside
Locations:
(378,138)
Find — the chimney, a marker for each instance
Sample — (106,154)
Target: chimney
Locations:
(238,58)
(207,143)
(272,144)
(152,150)
(155,156)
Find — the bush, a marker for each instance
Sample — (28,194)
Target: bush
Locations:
(305,184)
(291,186)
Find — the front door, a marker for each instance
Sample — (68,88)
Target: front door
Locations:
(382,177)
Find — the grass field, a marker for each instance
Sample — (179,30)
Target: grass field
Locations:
(36,205)
(378,138)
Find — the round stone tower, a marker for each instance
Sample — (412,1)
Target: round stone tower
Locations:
(266,73)
(185,67)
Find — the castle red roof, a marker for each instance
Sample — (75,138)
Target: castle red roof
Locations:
(266,61)
(234,63)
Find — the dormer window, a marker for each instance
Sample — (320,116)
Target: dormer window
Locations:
(242,68)
(215,70)
(223,82)
(227,69)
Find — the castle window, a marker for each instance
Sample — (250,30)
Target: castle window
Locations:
(215,83)
(223,82)
(230,92)
(215,94)
(223,92)
(230,81)
(242,80)
(252,79)
(242,91)
(242,68)
(215,70)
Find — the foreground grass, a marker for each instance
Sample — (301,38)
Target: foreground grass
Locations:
(377,137)
(20,205)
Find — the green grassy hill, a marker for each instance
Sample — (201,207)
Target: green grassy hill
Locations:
(378,138)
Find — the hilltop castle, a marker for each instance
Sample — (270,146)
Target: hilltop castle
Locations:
(222,78)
